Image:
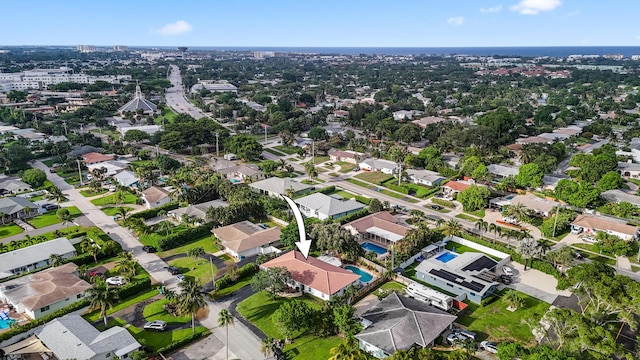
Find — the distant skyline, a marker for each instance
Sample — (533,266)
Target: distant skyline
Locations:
(328,23)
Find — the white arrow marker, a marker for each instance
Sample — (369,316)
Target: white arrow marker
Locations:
(303,245)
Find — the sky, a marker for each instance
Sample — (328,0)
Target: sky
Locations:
(328,23)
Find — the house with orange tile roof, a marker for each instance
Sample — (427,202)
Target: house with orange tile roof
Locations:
(245,238)
(454,187)
(381,227)
(95,157)
(313,276)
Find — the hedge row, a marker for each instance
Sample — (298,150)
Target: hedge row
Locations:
(134,287)
(175,240)
(328,190)
(150,213)
(357,215)
(537,264)
(401,189)
(247,270)
(26,326)
(445,203)
(362,199)
(84,259)
(182,342)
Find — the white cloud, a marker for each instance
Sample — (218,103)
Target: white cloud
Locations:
(455,21)
(493,9)
(534,7)
(177,28)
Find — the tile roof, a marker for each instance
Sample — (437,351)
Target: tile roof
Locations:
(456,185)
(398,322)
(316,274)
(246,235)
(46,287)
(154,194)
(603,224)
(95,157)
(383,220)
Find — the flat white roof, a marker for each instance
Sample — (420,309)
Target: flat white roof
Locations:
(385,234)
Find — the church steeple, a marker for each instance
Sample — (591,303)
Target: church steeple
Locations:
(138,91)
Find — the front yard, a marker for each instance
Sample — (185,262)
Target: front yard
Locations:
(51,218)
(493,321)
(10,230)
(112,199)
(374,177)
(199,269)
(259,308)
(206,243)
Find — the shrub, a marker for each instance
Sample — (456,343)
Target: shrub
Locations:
(134,287)
(357,215)
(328,190)
(181,342)
(362,199)
(445,203)
(174,240)
(150,213)
(401,189)
(247,270)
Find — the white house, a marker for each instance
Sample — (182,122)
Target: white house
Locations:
(591,224)
(275,186)
(34,257)
(627,169)
(126,178)
(502,171)
(41,293)
(425,177)
(384,166)
(155,196)
(10,185)
(313,276)
(245,238)
(323,206)
(345,156)
(197,212)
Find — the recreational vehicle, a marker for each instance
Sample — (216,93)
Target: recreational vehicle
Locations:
(432,297)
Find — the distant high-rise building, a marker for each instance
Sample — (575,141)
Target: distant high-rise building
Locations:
(86,48)
(120,48)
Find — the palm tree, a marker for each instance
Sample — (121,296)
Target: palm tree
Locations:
(482,226)
(55,260)
(452,228)
(225,319)
(347,350)
(416,215)
(88,247)
(122,212)
(195,253)
(440,222)
(166,226)
(191,299)
(102,297)
(544,245)
(519,211)
(311,170)
(126,264)
(513,299)
(268,347)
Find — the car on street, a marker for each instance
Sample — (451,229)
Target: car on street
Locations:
(507,270)
(505,279)
(465,333)
(435,207)
(455,338)
(157,325)
(180,277)
(52,170)
(173,270)
(116,281)
(489,346)
(148,249)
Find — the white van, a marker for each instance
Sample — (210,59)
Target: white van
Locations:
(230,157)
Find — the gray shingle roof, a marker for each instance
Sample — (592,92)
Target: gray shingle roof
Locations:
(399,322)
(72,337)
(328,205)
(12,205)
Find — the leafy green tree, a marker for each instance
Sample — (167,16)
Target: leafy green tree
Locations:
(347,350)
(269,167)
(34,177)
(610,181)
(245,146)
(55,260)
(529,176)
(408,133)
(318,133)
(166,163)
(292,316)
(345,320)
(274,280)
(501,121)
(474,197)
(136,135)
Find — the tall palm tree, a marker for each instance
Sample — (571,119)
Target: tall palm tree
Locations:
(347,350)
(225,319)
(452,228)
(165,226)
(268,347)
(191,299)
(126,264)
(102,297)
(482,226)
(195,253)
(311,170)
(88,247)
(416,215)
(55,260)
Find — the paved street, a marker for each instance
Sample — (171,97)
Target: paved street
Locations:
(175,96)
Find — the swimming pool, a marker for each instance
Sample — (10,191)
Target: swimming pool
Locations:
(446,257)
(234,181)
(364,276)
(373,247)
(5,324)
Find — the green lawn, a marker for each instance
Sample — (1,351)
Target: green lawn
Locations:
(258,309)
(154,311)
(374,177)
(91,193)
(345,167)
(206,243)
(111,199)
(169,116)
(344,194)
(467,217)
(495,322)
(199,270)
(242,282)
(10,230)
(50,218)
(95,315)
(479,213)
(289,150)
(274,152)
(392,286)
(381,190)
(113,210)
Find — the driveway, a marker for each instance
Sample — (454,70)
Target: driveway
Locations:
(535,283)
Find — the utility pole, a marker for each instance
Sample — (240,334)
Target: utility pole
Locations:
(265,134)
(555,222)
(80,173)
(64,124)
(217,149)
(157,150)
(213,274)
(313,152)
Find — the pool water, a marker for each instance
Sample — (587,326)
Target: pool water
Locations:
(446,257)
(234,181)
(373,247)
(5,324)
(364,276)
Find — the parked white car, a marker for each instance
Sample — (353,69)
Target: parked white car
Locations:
(489,346)
(157,325)
(116,280)
(589,239)
(507,270)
